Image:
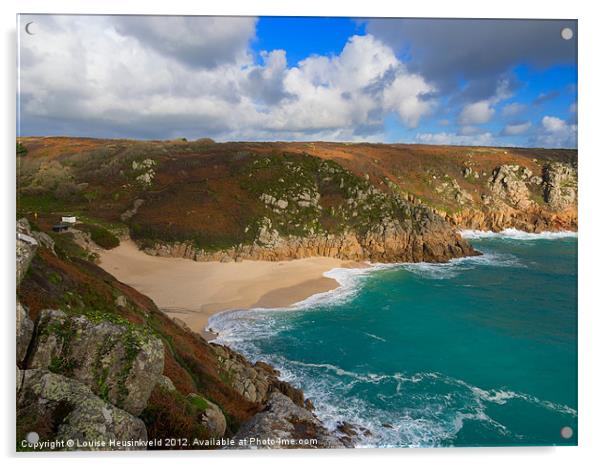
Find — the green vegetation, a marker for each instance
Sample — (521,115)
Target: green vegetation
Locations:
(101,236)
(41,203)
(67,248)
(65,332)
(199,402)
(21,149)
(171,415)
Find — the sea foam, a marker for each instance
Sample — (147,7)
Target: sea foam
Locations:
(513,233)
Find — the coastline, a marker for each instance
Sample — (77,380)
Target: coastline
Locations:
(194,291)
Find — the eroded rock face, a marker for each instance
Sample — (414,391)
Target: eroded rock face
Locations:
(254,381)
(522,200)
(426,237)
(26,248)
(74,412)
(117,362)
(283,424)
(510,183)
(24,332)
(560,185)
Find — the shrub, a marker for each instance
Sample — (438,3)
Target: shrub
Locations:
(101,236)
(21,149)
(171,415)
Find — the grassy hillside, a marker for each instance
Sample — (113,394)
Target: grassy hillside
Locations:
(219,195)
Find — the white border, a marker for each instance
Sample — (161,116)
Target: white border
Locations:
(590,228)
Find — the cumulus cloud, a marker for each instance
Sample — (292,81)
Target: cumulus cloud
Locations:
(556,132)
(445,138)
(516,128)
(195,41)
(513,109)
(480,112)
(476,113)
(137,77)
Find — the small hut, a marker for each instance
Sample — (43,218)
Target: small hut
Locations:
(60,227)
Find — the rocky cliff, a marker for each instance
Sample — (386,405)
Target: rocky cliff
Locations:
(99,367)
(521,199)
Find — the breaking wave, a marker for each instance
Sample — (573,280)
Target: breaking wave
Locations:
(513,233)
(398,409)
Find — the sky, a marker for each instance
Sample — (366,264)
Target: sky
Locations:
(432,81)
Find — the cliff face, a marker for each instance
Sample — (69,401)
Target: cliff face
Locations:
(520,199)
(388,242)
(97,362)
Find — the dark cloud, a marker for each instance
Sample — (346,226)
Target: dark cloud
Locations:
(196,41)
(265,84)
(449,51)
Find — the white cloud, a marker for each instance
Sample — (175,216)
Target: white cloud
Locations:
(470,130)
(513,109)
(480,112)
(476,113)
(483,139)
(556,132)
(516,129)
(136,79)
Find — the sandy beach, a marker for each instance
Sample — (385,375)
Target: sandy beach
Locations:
(194,291)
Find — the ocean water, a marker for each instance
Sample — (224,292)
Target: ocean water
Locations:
(481,351)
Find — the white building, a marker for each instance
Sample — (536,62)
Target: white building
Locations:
(69,220)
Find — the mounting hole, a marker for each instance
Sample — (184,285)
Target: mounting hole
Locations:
(566,33)
(566,432)
(32,438)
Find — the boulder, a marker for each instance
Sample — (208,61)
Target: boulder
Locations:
(24,332)
(44,240)
(63,409)
(256,381)
(165,383)
(212,417)
(118,362)
(283,424)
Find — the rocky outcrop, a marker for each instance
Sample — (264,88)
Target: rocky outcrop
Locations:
(118,362)
(519,199)
(427,237)
(283,424)
(560,185)
(24,333)
(212,417)
(509,182)
(451,190)
(26,248)
(128,214)
(256,381)
(65,410)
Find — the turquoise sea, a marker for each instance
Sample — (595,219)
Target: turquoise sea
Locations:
(480,351)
